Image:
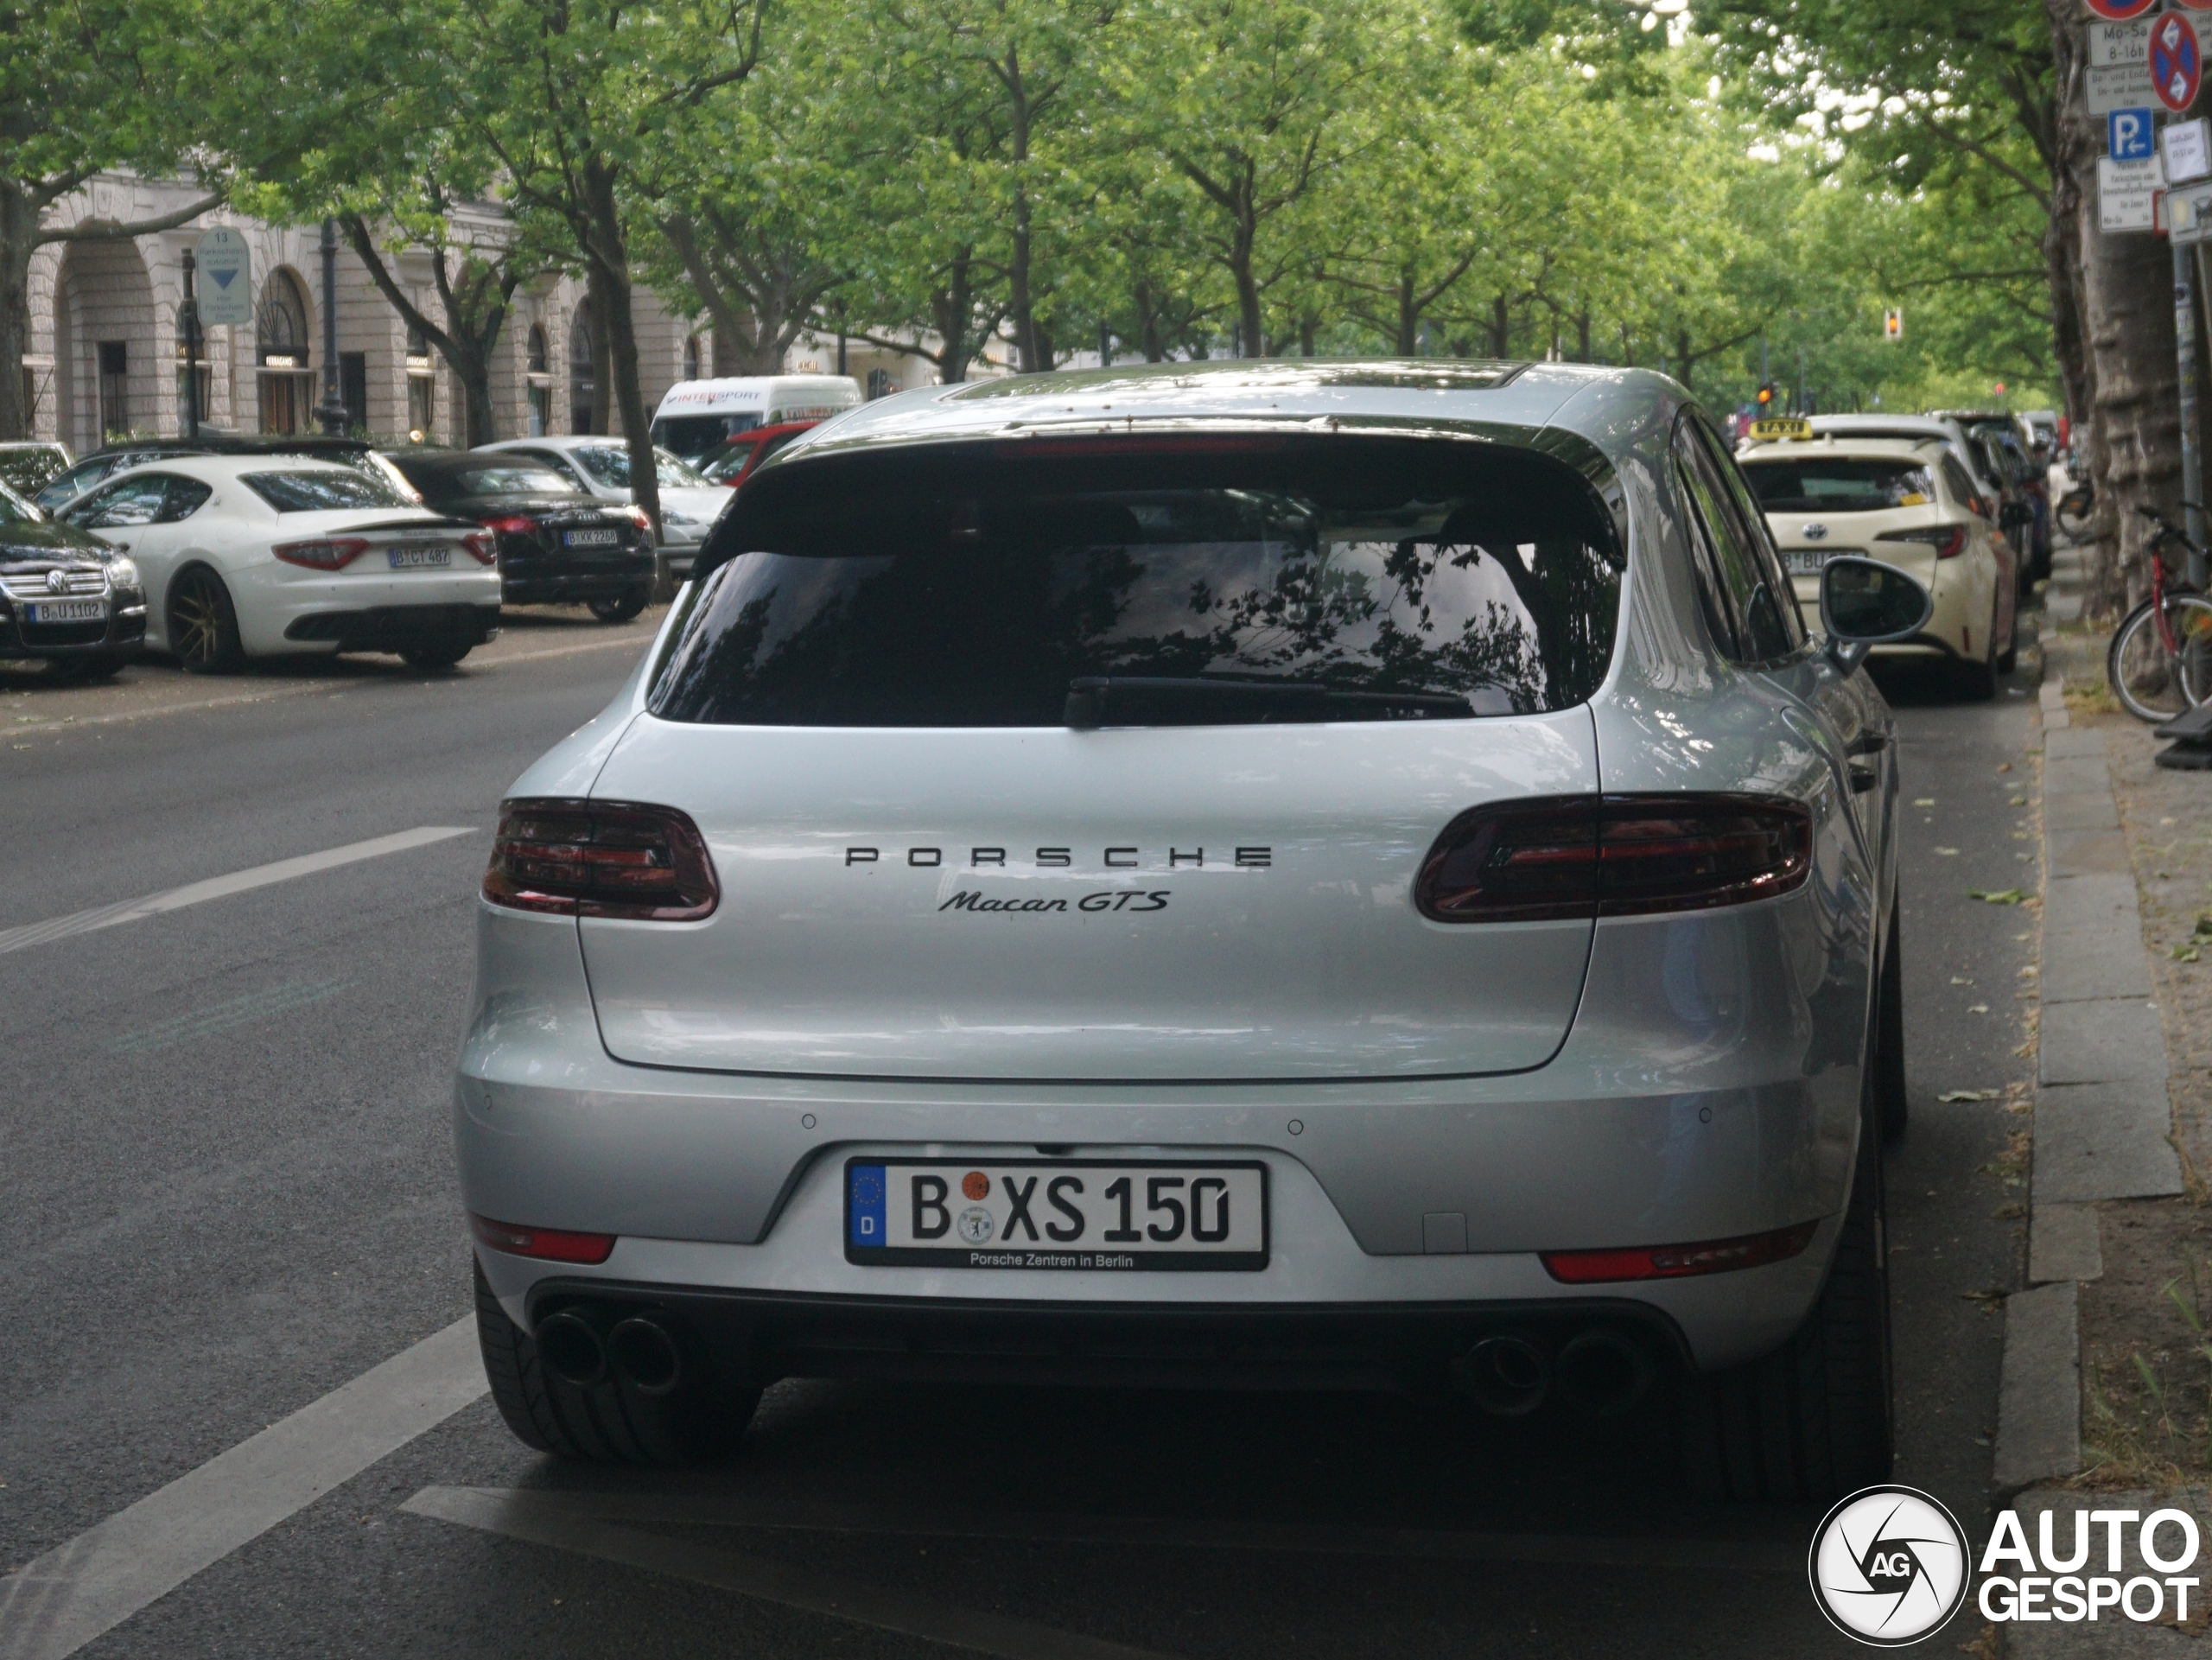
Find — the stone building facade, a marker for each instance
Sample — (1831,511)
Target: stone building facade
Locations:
(104,356)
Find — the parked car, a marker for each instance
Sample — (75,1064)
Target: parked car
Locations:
(261,555)
(64,487)
(729,461)
(1908,505)
(27,468)
(65,596)
(556,544)
(601,466)
(2014,460)
(696,415)
(1997,496)
(1323,875)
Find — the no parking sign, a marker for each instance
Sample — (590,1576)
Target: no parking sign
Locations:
(2177,65)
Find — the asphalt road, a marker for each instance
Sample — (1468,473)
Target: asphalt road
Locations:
(227,1185)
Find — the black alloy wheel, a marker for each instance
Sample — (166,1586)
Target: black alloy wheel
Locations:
(618,608)
(203,624)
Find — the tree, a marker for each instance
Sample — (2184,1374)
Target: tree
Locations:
(85,87)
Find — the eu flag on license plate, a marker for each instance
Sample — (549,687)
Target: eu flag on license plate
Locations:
(864,1201)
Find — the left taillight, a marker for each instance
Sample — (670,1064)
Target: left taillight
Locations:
(1949,541)
(1589,857)
(483,547)
(323,553)
(601,859)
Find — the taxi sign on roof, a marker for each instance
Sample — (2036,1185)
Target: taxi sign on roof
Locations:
(1777,428)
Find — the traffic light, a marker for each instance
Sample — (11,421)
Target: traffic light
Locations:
(1893,324)
(1766,397)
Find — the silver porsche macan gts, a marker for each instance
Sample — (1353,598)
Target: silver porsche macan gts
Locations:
(1346,875)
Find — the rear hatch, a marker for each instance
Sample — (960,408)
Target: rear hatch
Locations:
(946,850)
(1820,505)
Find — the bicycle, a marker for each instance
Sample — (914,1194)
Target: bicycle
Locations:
(2159,662)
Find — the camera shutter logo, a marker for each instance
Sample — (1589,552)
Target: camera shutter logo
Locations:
(1889,1566)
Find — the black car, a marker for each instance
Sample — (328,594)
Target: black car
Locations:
(65,596)
(557,545)
(64,487)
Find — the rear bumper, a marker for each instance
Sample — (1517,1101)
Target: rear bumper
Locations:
(393,627)
(561,588)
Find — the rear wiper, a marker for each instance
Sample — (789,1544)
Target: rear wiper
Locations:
(1087,695)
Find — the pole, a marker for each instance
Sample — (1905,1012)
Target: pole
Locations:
(331,411)
(187,319)
(2192,473)
(840,354)
(1105,344)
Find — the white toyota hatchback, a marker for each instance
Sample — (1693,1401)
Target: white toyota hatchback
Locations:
(1348,875)
(262,556)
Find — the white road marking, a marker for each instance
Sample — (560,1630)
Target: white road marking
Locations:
(749,1511)
(93,1583)
(71,723)
(216,887)
(546,1519)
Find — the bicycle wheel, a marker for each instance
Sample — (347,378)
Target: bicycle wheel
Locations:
(2151,684)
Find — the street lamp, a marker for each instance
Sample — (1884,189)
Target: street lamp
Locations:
(332,410)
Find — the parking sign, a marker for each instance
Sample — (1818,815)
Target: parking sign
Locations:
(2129,135)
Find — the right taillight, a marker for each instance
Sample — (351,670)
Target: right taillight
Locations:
(601,859)
(1589,857)
(1949,541)
(512,524)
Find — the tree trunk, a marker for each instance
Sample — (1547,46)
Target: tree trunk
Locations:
(1582,335)
(1309,329)
(1501,327)
(951,305)
(468,340)
(18,242)
(1408,341)
(2126,287)
(1149,334)
(610,272)
(1684,363)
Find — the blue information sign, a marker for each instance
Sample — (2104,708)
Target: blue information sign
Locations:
(2129,137)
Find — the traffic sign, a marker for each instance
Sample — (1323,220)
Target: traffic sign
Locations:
(225,284)
(2176,66)
(2129,135)
(2188,215)
(2186,149)
(2127,195)
(2120,10)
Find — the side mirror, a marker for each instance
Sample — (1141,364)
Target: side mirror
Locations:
(1865,602)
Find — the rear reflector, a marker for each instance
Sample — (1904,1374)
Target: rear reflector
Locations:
(1613,855)
(324,553)
(549,1244)
(601,859)
(1676,1262)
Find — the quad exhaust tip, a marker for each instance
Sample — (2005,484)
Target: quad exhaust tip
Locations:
(570,1348)
(580,1351)
(1599,1372)
(1506,1377)
(1602,1372)
(646,1355)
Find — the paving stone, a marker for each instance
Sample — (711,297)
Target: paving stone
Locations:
(2087,852)
(2104,1141)
(2039,1389)
(2077,775)
(2106,1041)
(2067,744)
(2063,1244)
(2093,939)
(2080,813)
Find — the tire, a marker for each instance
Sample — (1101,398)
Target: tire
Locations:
(2150,685)
(1815,1420)
(619,608)
(203,624)
(609,1423)
(1978,681)
(436,653)
(1890,1110)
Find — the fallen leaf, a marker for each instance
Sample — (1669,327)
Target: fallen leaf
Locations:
(2004,767)
(2002,896)
(2016,801)
(1968,1095)
(1948,853)
(1923,801)
(1957,981)
(2185,954)
(1977,1009)
(2031,969)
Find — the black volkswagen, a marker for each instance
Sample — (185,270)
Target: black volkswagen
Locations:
(557,545)
(65,596)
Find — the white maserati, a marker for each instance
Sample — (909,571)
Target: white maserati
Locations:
(257,556)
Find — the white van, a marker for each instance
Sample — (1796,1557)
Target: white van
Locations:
(696,415)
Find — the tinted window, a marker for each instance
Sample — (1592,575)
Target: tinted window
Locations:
(321,491)
(1774,578)
(1346,579)
(1961,487)
(610,466)
(127,502)
(693,435)
(185,498)
(27,467)
(76,481)
(1810,483)
(518,478)
(1755,609)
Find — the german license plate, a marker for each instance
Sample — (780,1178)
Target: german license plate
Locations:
(591,538)
(67,610)
(1056,1215)
(419,558)
(1806,561)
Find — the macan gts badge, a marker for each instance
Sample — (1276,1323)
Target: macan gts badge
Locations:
(1275,874)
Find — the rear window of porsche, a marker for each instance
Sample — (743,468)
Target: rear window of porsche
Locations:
(1156,583)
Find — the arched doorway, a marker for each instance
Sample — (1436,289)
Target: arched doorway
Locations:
(583,403)
(281,338)
(105,355)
